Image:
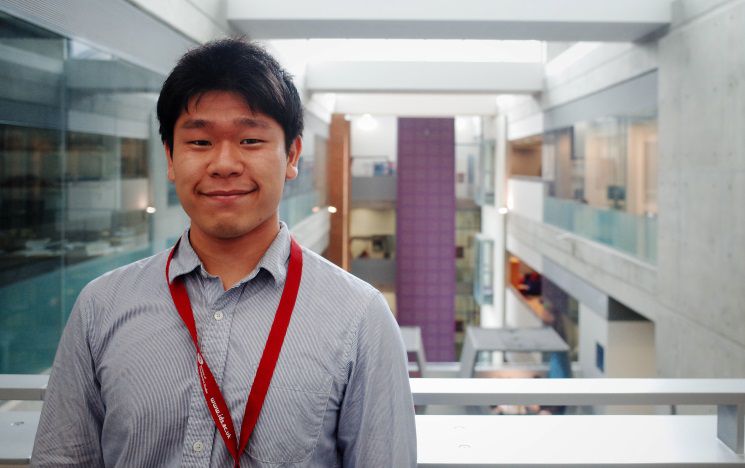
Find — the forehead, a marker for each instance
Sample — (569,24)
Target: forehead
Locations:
(219,107)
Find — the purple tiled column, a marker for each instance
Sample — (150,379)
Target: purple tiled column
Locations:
(425,232)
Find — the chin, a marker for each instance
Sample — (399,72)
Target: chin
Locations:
(229,230)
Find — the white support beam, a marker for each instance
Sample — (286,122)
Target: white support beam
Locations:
(425,77)
(551,20)
(416,105)
(116,27)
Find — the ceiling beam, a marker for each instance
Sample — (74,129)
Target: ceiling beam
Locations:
(549,20)
(415,105)
(424,77)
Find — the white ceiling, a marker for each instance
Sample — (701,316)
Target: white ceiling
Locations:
(551,20)
(394,57)
(426,77)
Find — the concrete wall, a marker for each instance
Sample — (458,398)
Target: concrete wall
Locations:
(701,190)
(694,293)
(602,67)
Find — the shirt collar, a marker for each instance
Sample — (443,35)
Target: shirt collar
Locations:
(185,259)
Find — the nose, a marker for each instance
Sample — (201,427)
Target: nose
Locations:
(226,161)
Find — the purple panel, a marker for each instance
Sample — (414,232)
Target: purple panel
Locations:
(425,232)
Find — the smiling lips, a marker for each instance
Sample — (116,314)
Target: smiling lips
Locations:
(226,195)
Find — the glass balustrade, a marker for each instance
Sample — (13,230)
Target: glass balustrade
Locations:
(632,234)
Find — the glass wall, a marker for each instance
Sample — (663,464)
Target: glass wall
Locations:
(605,163)
(562,167)
(75,125)
(306,193)
(83,187)
(602,182)
(484,190)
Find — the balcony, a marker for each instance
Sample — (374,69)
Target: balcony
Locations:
(631,234)
(374,190)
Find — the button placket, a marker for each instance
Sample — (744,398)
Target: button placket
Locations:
(200,430)
(217,327)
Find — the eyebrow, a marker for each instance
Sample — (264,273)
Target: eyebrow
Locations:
(241,122)
(248,122)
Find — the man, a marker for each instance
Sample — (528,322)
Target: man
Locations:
(157,372)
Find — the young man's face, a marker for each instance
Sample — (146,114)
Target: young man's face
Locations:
(229,165)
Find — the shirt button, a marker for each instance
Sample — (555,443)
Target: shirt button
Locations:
(219,315)
(198,446)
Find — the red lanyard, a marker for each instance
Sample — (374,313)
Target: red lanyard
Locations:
(212,395)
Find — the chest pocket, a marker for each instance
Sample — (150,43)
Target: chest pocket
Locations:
(290,423)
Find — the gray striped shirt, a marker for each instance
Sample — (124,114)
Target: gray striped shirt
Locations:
(124,390)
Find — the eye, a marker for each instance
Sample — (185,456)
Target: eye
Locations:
(199,142)
(250,141)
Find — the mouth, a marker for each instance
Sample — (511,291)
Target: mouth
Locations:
(227,195)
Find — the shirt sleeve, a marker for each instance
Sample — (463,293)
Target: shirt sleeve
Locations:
(376,420)
(69,432)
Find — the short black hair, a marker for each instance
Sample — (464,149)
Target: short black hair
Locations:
(234,65)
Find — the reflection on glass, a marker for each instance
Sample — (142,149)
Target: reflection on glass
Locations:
(562,167)
(484,277)
(485,178)
(308,190)
(605,163)
(603,182)
(74,181)
(635,235)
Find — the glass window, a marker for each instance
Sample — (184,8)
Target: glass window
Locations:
(603,182)
(608,163)
(307,192)
(562,167)
(485,177)
(484,277)
(75,130)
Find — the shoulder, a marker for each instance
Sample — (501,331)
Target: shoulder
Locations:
(329,279)
(132,275)
(335,299)
(110,295)
(341,296)
(137,279)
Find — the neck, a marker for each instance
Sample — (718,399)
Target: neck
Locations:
(232,259)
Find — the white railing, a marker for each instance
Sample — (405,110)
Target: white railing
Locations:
(491,440)
(18,428)
(589,440)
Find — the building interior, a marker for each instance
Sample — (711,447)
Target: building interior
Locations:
(547,191)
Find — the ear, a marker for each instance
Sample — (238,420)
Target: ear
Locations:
(169,161)
(293,158)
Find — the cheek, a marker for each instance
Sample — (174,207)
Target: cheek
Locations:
(185,171)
